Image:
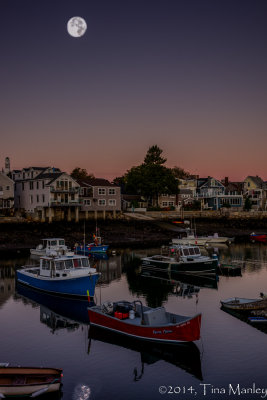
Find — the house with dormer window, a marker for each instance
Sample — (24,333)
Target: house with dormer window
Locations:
(255,189)
(46,192)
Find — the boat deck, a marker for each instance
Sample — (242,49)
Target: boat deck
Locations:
(154,317)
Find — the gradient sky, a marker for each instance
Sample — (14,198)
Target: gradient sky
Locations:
(187,75)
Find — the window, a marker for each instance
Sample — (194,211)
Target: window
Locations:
(112,202)
(111,191)
(101,191)
(77,262)
(1,188)
(43,184)
(85,262)
(37,198)
(22,185)
(37,185)
(101,202)
(171,203)
(31,199)
(60,265)
(31,185)
(87,202)
(164,204)
(46,264)
(43,198)
(8,188)
(68,264)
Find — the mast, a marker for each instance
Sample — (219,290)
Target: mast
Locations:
(84,238)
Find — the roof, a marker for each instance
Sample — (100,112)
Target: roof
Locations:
(185,191)
(234,187)
(256,179)
(204,181)
(49,175)
(95,182)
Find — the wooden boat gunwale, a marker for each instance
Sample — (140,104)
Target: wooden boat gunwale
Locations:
(25,381)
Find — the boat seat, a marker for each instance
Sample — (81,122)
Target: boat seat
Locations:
(156,316)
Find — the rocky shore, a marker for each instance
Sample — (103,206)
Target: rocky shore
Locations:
(19,237)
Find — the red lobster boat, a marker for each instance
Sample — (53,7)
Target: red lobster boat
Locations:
(146,323)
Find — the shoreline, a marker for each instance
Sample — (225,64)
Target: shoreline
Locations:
(20,237)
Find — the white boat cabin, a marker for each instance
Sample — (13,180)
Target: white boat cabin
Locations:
(184,253)
(63,266)
(52,244)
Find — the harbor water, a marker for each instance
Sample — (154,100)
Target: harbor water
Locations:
(228,362)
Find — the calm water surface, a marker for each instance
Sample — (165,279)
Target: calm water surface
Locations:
(42,330)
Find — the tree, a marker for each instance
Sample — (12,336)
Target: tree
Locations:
(153,156)
(151,178)
(248,204)
(180,173)
(80,173)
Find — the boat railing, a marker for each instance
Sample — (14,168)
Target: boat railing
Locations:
(29,266)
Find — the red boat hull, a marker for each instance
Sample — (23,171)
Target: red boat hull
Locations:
(258,237)
(186,331)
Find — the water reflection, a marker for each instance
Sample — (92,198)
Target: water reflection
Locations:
(67,314)
(184,355)
(156,286)
(56,312)
(243,316)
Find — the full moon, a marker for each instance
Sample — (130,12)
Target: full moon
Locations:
(76,26)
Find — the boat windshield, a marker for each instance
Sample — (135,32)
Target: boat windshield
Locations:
(68,264)
(60,264)
(46,264)
(191,251)
(85,262)
(186,252)
(197,251)
(80,262)
(61,242)
(52,243)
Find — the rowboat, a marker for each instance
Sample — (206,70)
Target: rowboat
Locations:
(28,381)
(68,275)
(255,319)
(146,323)
(241,304)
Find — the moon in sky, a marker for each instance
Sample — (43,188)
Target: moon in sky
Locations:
(76,26)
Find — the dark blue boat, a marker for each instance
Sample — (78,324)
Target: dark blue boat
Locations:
(61,275)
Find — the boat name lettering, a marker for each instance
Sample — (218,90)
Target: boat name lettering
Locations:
(156,332)
(167,331)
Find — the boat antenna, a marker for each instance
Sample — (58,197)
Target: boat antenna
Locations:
(84,238)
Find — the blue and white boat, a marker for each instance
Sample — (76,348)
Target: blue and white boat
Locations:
(62,275)
(95,247)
